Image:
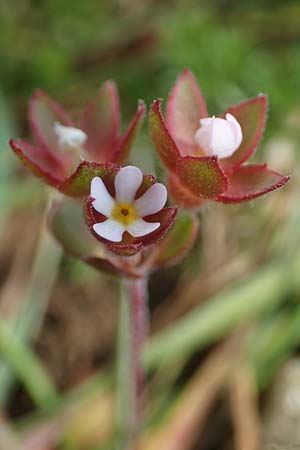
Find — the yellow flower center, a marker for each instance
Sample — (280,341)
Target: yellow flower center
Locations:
(125,213)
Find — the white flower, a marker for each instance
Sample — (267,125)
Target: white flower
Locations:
(125,213)
(69,137)
(221,137)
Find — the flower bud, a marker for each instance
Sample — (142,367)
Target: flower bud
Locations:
(220,137)
(69,137)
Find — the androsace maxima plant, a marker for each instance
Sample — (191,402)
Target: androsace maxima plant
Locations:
(115,218)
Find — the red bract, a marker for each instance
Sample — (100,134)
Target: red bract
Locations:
(100,122)
(127,244)
(194,177)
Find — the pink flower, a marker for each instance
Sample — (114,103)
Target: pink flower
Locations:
(205,155)
(63,149)
(126,210)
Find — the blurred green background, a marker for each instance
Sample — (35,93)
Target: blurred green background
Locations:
(242,273)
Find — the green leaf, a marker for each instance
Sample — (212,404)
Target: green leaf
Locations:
(78,184)
(202,176)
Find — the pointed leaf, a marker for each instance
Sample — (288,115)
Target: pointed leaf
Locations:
(68,226)
(43,113)
(252,116)
(161,137)
(101,122)
(186,106)
(251,181)
(127,139)
(178,241)
(202,176)
(78,184)
(39,161)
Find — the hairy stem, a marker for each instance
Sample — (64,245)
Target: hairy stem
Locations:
(133,332)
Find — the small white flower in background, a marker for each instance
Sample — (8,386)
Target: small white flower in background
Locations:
(221,137)
(69,137)
(125,213)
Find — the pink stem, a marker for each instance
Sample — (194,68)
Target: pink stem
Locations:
(139,318)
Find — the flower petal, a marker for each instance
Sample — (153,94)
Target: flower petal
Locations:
(127,247)
(40,161)
(251,115)
(141,228)
(103,202)
(127,182)
(202,176)
(43,113)
(152,201)
(131,245)
(251,181)
(185,108)
(128,137)
(110,229)
(101,122)
(161,137)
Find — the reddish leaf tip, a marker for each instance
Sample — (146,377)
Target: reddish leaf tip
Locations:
(252,116)
(109,84)
(187,72)
(252,181)
(156,104)
(38,93)
(141,106)
(37,159)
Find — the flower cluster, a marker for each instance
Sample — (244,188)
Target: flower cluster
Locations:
(60,146)
(205,156)
(125,209)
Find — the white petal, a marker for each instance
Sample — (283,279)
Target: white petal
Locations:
(69,136)
(220,137)
(152,201)
(110,230)
(141,228)
(207,121)
(103,202)
(203,138)
(223,138)
(127,182)
(236,128)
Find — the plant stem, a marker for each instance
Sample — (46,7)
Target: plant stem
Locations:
(133,331)
(138,295)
